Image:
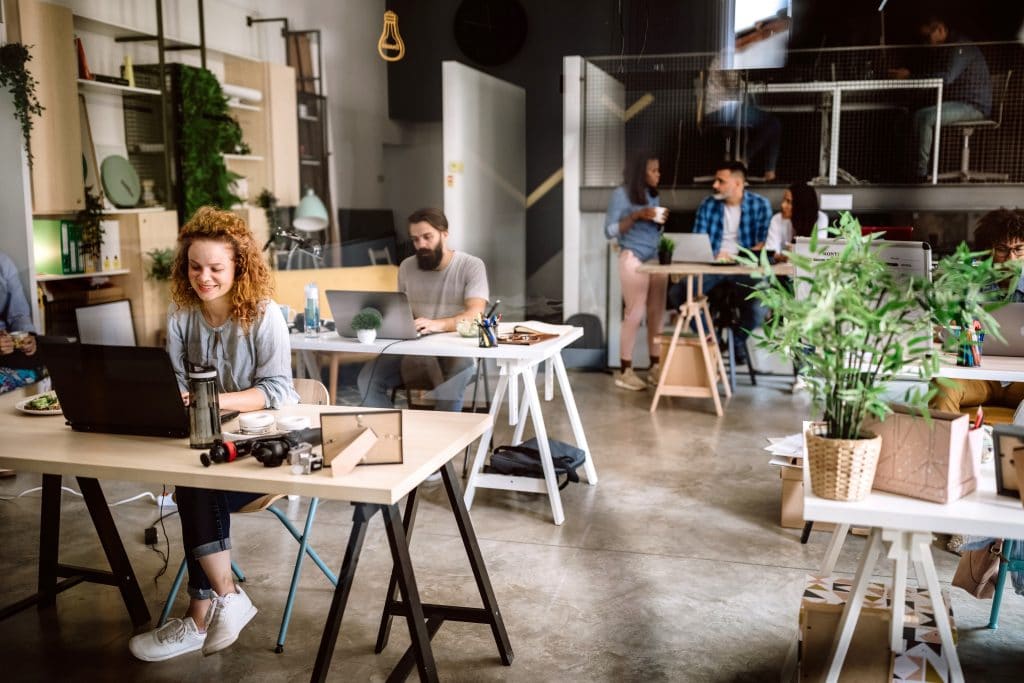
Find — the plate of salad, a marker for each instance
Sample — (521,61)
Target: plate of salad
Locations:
(45,403)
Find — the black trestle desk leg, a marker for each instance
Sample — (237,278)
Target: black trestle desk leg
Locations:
(476,562)
(385,620)
(806,533)
(120,565)
(49,539)
(410,594)
(360,518)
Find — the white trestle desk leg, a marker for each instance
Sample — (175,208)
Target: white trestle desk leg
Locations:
(524,407)
(835,546)
(485,438)
(512,370)
(549,381)
(899,551)
(851,611)
(925,567)
(574,418)
(550,479)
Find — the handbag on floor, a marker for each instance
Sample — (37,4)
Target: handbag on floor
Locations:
(524,460)
(978,570)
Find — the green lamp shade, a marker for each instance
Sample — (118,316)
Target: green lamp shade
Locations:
(311,214)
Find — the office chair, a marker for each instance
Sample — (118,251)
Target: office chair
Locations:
(1001,86)
(312,392)
(1006,565)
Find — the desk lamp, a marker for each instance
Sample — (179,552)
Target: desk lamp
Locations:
(311,214)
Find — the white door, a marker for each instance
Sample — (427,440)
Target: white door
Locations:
(485,177)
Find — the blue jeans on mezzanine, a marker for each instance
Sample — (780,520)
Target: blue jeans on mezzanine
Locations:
(924,128)
(206,529)
(449,378)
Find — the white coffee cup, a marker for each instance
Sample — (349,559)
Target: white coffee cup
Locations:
(660,214)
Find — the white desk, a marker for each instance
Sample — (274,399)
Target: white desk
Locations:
(431,440)
(998,368)
(906,526)
(836,90)
(514,363)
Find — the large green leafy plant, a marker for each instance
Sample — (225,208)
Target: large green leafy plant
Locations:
(207,132)
(853,325)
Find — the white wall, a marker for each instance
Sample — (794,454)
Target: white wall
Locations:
(413,159)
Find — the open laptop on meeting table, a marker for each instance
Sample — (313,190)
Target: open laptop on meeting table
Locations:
(1011,325)
(396,313)
(696,248)
(117,389)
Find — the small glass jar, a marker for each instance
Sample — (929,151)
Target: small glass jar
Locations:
(203,407)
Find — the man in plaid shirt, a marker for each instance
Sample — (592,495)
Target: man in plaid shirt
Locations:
(732,217)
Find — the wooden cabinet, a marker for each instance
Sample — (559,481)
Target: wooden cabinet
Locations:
(56,141)
(141,232)
(269,128)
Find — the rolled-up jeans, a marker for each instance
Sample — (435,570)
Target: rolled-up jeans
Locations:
(924,128)
(206,529)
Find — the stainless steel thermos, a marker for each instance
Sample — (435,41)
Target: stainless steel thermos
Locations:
(203,407)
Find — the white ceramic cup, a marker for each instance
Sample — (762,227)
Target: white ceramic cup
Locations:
(660,215)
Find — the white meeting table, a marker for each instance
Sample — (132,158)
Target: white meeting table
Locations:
(44,444)
(514,362)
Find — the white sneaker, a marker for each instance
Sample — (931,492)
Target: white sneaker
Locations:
(627,379)
(227,617)
(174,638)
(654,374)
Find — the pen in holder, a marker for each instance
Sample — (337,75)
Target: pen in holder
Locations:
(486,331)
(968,342)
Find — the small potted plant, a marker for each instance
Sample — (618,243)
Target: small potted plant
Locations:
(853,325)
(366,323)
(666,246)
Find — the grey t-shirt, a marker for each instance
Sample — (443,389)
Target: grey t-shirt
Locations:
(258,358)
(442,293)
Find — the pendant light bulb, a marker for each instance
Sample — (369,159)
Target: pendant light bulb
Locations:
(390,46)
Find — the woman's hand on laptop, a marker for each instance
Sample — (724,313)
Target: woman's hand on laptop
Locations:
(185,398)
(6,343)
(428,325)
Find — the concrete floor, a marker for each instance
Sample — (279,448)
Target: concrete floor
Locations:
(673,568)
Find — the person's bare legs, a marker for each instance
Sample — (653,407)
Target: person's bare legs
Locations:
(217,567)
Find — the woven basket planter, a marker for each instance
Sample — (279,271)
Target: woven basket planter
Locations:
(842,469)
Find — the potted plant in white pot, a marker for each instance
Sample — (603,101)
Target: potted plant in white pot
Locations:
(853,325)
(366,323)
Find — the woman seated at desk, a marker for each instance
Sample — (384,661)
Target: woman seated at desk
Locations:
(1001,232)
(798,217)
(222,316)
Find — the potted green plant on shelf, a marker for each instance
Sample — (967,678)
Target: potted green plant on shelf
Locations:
(16,78)
(366,323)
(90,221)
(852,325)
(161,264)
(666,246)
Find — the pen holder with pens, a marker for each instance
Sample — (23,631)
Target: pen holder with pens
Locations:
(967,344)
(487,331)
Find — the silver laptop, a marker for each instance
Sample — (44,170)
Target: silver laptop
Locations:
(691,247)
(393,306)
(1011,325)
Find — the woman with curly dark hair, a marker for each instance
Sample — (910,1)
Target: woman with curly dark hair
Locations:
(222,316)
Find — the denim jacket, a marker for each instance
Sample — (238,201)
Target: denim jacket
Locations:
(642,239)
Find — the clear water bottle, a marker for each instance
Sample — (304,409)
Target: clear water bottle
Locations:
(312,314)
(203,407)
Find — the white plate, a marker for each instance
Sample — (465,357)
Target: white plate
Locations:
(20,405)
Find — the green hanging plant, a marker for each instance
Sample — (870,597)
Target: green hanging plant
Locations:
(207,133)
(15,77)
(161,264)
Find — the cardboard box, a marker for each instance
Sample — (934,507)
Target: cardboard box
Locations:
(921,460)
(792,507)
(688,368)
(869,658)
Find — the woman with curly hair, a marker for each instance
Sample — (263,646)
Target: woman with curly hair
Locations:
(222,316)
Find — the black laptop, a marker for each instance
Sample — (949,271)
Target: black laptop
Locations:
(116,389)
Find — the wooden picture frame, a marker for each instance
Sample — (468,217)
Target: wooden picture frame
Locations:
(1008,443)
(92,169)
(376,434)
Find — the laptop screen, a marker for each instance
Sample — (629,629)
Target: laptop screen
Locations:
(116,389)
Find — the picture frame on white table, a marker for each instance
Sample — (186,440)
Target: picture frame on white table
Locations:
(368,438)
(1008,441)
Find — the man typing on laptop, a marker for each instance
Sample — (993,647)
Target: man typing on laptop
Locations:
(443,287)
(1001,232)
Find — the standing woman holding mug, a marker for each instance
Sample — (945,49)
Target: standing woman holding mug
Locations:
(635,218)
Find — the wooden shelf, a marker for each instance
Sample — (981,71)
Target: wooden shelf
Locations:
(243,107)
(145,209)
(78,276)
(121,31)
(113,87)
(242,157)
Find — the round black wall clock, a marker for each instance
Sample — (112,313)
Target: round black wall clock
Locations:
(490,32)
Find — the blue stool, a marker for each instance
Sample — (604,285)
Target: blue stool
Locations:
(1006,565)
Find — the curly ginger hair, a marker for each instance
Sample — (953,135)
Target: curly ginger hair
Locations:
(253,284)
